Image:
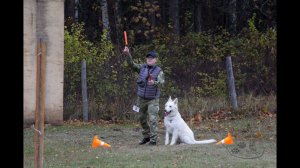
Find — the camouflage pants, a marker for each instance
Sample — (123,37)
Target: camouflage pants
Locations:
(149,117)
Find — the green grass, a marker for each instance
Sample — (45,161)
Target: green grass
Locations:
(69,145)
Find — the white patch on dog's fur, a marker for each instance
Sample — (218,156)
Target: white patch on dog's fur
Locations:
(176,126)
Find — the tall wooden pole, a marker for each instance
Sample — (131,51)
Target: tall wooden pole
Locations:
(84,92)
(37,109)
(40,101)
(231,85)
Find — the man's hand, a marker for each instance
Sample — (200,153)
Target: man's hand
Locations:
(150,82)
(126,50)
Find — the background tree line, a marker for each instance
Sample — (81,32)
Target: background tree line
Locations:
(192,38)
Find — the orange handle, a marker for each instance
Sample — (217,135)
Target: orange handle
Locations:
(125,38)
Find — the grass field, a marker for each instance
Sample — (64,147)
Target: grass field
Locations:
(69,145)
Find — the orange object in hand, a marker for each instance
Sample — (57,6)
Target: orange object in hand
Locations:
(125,38)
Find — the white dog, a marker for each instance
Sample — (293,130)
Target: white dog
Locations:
(176,126)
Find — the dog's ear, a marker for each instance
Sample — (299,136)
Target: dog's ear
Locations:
(175,101)
(170,99)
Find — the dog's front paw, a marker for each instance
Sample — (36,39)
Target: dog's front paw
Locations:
(166,142)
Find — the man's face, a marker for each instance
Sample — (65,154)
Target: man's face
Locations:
(151,61)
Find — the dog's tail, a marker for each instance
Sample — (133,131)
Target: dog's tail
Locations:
(205,141)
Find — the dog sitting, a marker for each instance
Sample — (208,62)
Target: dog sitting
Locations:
(176,126)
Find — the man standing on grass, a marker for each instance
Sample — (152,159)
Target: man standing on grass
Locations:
(151,77)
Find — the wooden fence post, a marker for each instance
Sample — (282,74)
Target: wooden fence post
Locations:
(84,92)
(40,102)
(231,85)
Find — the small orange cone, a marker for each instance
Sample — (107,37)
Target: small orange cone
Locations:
(228,140)
(97,142)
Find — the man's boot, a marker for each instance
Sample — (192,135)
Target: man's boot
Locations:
(152,143)
(144,140)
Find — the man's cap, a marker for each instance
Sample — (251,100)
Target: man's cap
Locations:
(151,54)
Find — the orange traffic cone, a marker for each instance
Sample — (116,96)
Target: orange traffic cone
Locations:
(97,142)
(228,140)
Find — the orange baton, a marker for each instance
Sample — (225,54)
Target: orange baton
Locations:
(125,38)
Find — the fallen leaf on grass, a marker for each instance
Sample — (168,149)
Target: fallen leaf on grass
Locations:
(258,134)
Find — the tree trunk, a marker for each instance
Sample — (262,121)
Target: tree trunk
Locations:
(76,10)
(117,18)
(232,16)
(69,9)
(174,16)
(209,15)
(152,15)
(105,19)
(197,16)
(242,12)
(163,12)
